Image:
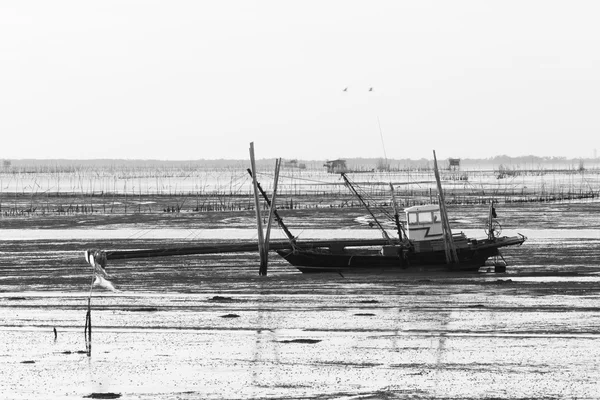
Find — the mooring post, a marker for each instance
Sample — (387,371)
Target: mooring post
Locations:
(89,328)
(88,316)
(261,239)
(271,214)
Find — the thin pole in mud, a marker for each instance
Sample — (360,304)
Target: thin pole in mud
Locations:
(261,238)
(270,220)
(291,237)
(88,321)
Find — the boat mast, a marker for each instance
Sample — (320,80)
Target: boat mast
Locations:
(385,234)
(401,233)
(451,256)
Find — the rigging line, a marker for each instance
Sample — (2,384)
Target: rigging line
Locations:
(382,143)
(362,192)
(136,235)
(349,184)
(240,184)
(297,178)
(193,234)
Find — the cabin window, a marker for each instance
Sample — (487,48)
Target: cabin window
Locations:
(425,217)
(412,218)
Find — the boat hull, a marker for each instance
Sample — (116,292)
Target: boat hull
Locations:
(310,261)
(420,257)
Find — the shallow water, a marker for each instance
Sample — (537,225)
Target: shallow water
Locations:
(210,327)
(248,234)
(384,339)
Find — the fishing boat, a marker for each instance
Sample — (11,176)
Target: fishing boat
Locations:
(427,244)
(423,249)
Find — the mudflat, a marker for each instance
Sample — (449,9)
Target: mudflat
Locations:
(209,327)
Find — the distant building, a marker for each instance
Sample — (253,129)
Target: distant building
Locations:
(454,164)
(336,166)
(6,164)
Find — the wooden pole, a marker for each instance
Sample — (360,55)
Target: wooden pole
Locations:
(261,239)
(271,214)
(397,215)
(491,221)
(89,328)
(451,256)
(88,319)
(291,237)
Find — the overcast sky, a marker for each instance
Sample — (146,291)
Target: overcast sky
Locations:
(202,79)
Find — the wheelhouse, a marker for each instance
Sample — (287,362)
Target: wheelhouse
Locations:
(424,222)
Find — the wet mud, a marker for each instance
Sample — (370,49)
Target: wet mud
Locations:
(209,327)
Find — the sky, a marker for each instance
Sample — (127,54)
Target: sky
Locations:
(188,80)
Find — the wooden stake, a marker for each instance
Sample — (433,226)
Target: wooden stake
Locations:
(88,318)
(88,324)
(271,213)
(261,239)
(451,256)
(291,237)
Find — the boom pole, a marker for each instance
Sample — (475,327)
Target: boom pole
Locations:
(385,234)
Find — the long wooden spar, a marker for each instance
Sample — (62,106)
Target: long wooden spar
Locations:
(234,248)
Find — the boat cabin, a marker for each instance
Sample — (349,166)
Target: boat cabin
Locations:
(424,222)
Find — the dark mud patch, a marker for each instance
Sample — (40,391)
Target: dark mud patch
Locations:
(364,315)
(476,306)
(221,299)
(368,302)
(499,282)
(16,298)
(28,362)
(103,396)
(230,316)
(303,341)
(73,352)
(141,309)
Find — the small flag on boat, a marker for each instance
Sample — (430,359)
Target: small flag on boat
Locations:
(97,259)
